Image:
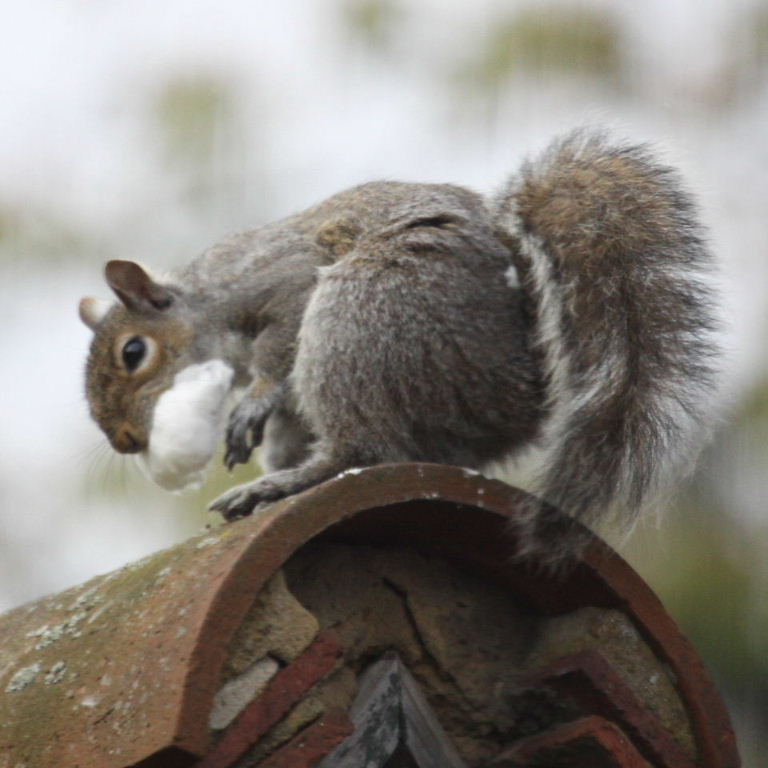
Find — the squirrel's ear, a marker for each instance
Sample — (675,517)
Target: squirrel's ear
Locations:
(134,287)
(92,311)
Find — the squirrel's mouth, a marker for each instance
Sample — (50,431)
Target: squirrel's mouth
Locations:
(128,440)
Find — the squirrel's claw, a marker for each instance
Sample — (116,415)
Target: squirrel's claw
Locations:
(234,504)
(242,500)
(245,429)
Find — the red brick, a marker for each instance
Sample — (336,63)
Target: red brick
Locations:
(590,742)
(285,689)
(312,744)
(592,683)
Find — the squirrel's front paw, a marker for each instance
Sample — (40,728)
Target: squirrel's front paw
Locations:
(245,429)
(241,500)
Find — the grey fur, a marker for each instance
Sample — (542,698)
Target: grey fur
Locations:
(617,261)
(410,322)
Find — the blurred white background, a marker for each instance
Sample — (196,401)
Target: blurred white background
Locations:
(150,130)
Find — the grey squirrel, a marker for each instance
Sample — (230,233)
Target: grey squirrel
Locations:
(571,315)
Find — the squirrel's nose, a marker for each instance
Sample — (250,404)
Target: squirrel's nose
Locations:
(128,439)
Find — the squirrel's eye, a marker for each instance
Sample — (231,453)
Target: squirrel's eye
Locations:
(133,352)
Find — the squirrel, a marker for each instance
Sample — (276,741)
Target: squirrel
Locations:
(571,317)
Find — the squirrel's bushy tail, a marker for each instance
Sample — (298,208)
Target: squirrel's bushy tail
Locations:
(611,256)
